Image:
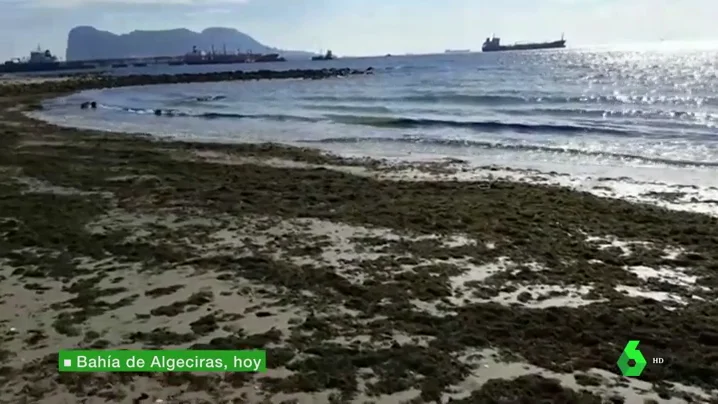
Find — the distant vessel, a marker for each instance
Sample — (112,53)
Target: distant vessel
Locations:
(327,56)
(270,57)
(198,57)
(45,61)
(457,51)
(40,61)
(493,44)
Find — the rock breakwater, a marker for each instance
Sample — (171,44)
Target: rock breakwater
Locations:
(79,83)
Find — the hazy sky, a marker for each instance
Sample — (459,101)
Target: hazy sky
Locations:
(359,27)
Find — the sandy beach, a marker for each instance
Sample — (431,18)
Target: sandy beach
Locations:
(364,281)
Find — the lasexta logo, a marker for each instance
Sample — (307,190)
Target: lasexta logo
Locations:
(631,352)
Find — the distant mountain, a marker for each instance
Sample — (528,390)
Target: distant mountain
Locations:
(84,43)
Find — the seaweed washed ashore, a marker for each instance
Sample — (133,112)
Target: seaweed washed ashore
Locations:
(363,283)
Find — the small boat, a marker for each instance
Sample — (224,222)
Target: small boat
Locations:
(271,57)
(327,56)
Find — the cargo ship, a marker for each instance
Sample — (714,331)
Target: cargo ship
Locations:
(45,61)
(457,51)
(493,44)
(41,61)
(197,57)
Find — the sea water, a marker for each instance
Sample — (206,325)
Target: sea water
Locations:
(638,123)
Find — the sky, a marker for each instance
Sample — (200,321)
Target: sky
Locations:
(366,27)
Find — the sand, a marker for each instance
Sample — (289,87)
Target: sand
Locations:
(364,281)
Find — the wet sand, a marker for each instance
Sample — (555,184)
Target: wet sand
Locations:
(364,281)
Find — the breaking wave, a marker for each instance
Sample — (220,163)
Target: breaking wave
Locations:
(513,147)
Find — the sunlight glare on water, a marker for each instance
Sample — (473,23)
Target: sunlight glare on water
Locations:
(647,114)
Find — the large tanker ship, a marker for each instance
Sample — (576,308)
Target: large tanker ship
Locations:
(493,44)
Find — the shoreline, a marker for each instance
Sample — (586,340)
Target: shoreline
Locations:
(360,287)
(689,187)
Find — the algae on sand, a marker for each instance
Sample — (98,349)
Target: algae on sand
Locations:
(359,287)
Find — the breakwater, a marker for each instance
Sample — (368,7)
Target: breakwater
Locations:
(84,82)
